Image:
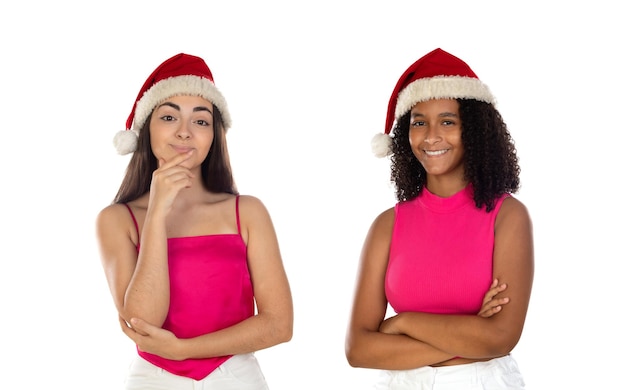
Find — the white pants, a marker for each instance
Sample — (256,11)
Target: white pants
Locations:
(240,372)
(496,374)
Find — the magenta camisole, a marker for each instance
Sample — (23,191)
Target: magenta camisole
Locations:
(210,289)
(441,255)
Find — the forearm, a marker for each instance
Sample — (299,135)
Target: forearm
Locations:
(370,349)
(253,334)
(468,336)
(148,293)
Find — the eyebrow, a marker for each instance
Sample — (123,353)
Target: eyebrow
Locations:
(177,107)
(442,115)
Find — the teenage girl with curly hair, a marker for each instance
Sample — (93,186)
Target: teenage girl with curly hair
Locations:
(454,257)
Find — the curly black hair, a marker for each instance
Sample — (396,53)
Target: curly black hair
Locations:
(490,158)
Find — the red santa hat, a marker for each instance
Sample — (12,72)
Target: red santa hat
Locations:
(437,75)
(182,74)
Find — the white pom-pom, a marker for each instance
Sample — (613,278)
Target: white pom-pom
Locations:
(381,145)
(125,141)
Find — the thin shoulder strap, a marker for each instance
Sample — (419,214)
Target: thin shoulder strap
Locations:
(237,211)
(134,219)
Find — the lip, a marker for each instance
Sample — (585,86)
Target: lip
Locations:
(181,148)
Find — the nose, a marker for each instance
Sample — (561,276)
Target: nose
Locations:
(432,135)
(183,131)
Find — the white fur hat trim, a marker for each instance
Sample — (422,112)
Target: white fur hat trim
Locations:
(441,87)
(381,145)
(125,141)
(180,85)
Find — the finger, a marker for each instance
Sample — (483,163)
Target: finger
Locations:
(493,286)
(489,295)
(140,326)
(175,176)
(177,159)
(128,331)
(493,307)
(122,321)
(493,291)
(180,180)
(137,324)
(490,312)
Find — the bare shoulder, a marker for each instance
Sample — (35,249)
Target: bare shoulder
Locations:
(252,206)
(112,214)
(385,220)
(513,211)
(381,229)
(257,227)
(254,216)
(250,200)
(387,215)
(115,219)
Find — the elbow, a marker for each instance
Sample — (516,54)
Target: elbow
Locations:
(127,314)
(152,318)
(353,359)
(354,355)
(286,333)
(507,345)
(153,312)
(283,331)
(357,359)
(501,343)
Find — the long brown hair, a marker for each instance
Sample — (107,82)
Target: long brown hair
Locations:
(217,173)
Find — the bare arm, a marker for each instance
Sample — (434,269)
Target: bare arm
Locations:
(139,282)
(365,345)
(477,337)
(273,323)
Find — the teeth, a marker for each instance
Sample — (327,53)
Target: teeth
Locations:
(435,152)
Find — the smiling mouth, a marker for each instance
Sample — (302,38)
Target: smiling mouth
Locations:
(435,153)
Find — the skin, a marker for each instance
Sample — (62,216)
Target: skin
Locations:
(412,339)
(178,205)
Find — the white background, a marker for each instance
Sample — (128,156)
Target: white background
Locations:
(307,84)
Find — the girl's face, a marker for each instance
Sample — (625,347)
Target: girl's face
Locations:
(180,124)
(435,137)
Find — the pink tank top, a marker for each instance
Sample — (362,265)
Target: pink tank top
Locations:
(441,255)
(210,289)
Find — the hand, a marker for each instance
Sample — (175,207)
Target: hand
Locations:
(388,326)
(492,306)
(168,179)
(151,339)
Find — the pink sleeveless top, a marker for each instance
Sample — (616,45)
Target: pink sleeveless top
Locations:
(441,255)
(210,289)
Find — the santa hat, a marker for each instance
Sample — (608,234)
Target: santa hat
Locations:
(182,74)
(437,75)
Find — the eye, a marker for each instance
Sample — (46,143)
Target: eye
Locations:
(448,123)
(167,118)
(418,123)
(203,122)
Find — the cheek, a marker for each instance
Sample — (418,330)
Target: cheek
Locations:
(415,139)
(208,142)
(154,142)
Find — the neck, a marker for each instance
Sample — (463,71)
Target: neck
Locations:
(189,195)
(444,187)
